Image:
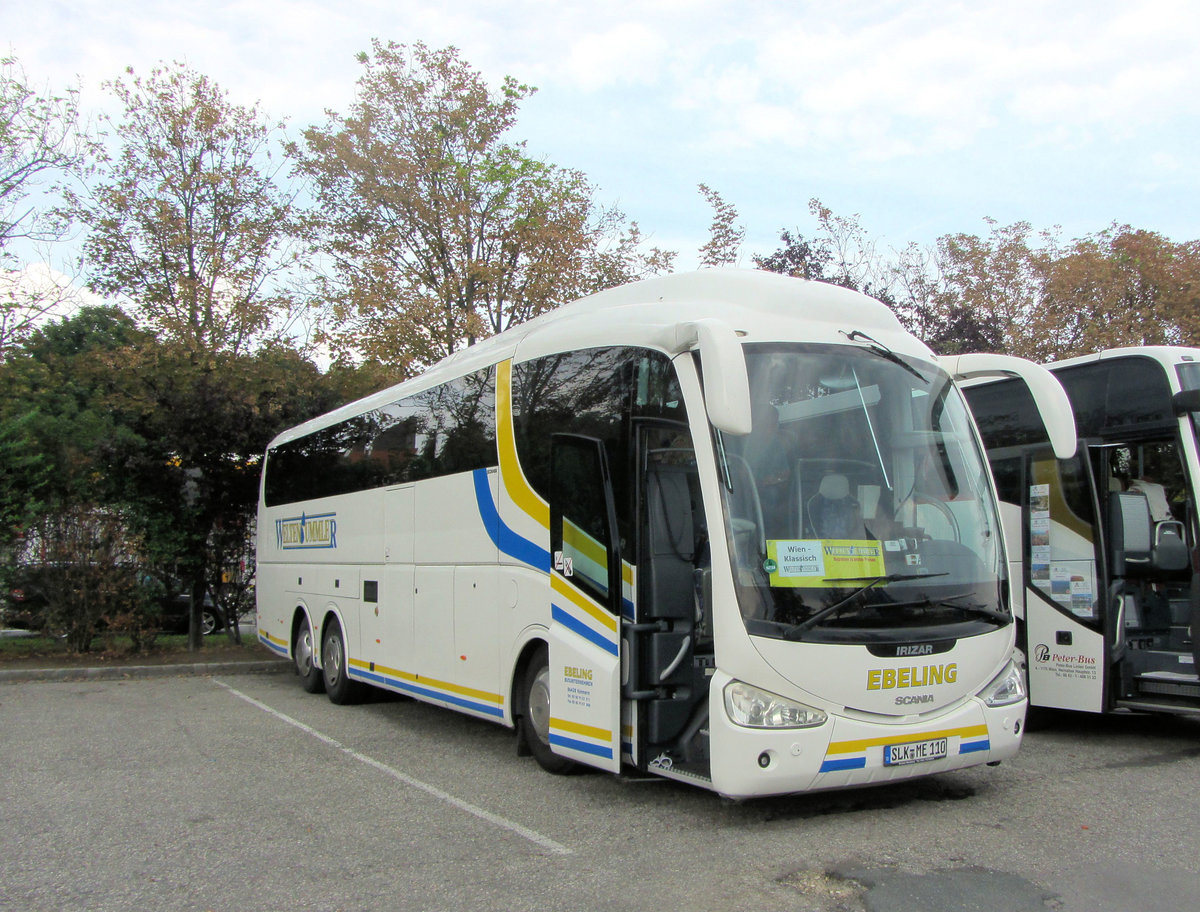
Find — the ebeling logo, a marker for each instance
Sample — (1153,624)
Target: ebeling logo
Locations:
(305,531)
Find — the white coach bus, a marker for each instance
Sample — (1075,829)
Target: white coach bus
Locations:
(725,527)
(1104,548)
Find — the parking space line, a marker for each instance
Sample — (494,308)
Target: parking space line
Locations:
(495,819)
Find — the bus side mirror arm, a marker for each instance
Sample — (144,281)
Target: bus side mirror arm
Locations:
(726,383)
(1048,394)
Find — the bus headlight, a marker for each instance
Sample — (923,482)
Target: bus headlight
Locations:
(755,708)
(1007,687)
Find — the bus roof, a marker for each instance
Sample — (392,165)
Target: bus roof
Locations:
(760,306)
(1167,355)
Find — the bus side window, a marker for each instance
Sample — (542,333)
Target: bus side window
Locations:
(583,518)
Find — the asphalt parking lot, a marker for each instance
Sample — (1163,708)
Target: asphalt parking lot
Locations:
(242,792)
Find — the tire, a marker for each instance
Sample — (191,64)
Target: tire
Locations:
(534,706)
(311,677)
(208,621)
(338,686)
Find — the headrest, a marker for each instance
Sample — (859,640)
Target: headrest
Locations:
(834,487)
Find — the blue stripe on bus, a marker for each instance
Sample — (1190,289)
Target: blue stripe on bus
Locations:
(581,746)
(573,624)
(504,538)
(266,641)
(971,746)
(438,695)
(853,763)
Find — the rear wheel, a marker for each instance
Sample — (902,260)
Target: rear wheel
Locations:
(338,686)
(535,715)
(311,678)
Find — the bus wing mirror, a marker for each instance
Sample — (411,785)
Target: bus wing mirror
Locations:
(1051,399)
(1187,402)
(726,384)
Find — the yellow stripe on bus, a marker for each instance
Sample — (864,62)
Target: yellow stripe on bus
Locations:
(591,549)
(515,482)
(853,747)
(581,601)
(575,728)
(427,681)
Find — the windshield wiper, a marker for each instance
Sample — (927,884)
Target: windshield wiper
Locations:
(998,617)
(857,335)
(873,581)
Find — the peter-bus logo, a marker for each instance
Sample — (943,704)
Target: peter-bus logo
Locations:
(303,531)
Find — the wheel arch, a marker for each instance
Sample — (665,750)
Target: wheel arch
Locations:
(531,640)
(300,616)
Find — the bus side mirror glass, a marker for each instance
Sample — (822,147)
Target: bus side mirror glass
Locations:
(1187,401)
(1131,531)
(1170,549)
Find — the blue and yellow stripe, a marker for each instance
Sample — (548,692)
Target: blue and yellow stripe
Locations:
(587,739)
(273,643)
(972,738)
(469,698)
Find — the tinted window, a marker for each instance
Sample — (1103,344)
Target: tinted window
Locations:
(440,431)
(593,393)
(1123,395)
(1006,415)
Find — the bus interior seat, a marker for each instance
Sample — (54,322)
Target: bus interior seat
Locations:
(832,512)
(672,540)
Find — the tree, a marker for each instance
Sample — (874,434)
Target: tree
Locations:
(57,436)
(186,220)
(1121,286)
(40,140)
(725,237)
(798,257)
(434,230)
(191,464)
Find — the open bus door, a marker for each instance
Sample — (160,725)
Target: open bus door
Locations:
(585,581)
(1068,611)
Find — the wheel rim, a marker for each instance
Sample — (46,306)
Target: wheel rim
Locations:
(539,705)
(304,651)
(333,659)
(208,622)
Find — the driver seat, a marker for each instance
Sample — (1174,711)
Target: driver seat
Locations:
(832,512)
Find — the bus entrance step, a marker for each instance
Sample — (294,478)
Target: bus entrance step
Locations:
(1168,684)
(1186,707)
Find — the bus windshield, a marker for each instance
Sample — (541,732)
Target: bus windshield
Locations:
(858,508)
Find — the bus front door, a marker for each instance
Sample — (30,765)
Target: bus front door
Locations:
(585,581)
(1066,603)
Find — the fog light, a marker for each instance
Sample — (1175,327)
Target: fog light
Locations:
(764,759)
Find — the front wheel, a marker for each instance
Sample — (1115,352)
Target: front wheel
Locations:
(535,715)
(338,686)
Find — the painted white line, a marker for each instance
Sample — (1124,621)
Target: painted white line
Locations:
(495,819)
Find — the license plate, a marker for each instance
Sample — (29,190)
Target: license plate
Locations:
(915,752)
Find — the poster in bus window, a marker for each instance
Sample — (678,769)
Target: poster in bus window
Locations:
(810,563)
(1039,535)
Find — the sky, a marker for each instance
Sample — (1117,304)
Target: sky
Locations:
(920,118)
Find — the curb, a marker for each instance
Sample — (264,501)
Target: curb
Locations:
(121,672)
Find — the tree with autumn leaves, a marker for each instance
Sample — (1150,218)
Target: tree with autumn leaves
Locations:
(404,229)
(1012,290)
(434,228)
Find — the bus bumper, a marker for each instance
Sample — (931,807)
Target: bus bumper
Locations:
(846,752)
